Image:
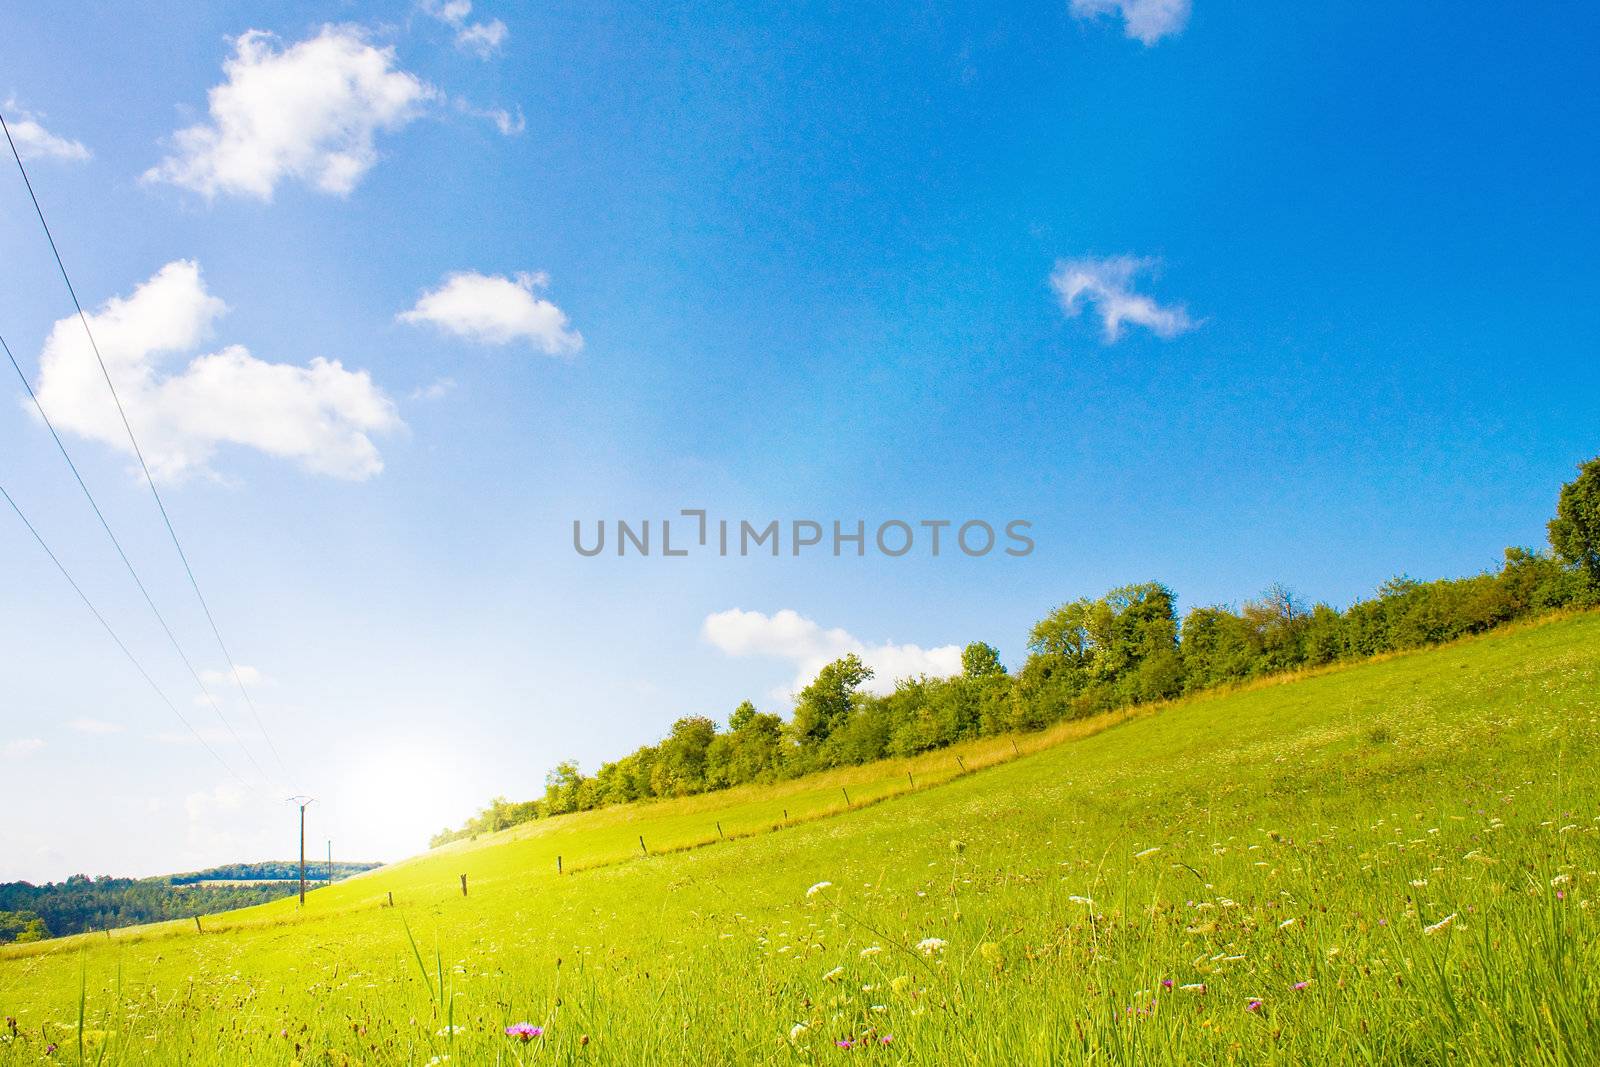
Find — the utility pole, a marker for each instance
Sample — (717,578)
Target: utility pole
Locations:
(304,802)
(327,872)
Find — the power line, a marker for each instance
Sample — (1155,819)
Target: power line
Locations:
(76,588)
(139,453)
(105,525)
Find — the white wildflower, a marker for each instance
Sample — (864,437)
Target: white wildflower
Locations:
(1442,924)
(819,887)
(931,946)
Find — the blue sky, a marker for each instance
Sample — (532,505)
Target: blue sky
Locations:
(771,260)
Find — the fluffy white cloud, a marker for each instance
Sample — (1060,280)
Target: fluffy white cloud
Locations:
(33,141)
(1143,20)
(319,415)
(788,635)
(481,38)
(20,747)
(309,112)
(1107,285)
(494,310)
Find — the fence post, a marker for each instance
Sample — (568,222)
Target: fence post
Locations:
(463,885)
(1015,751)
(197,925)
(846,793)
(391,898)
(642,850)
(962,764)
(719,831)
(910,779)
(558,864)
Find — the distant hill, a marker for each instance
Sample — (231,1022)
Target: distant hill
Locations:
(80,904)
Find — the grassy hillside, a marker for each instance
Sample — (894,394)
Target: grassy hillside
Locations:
(1384,863)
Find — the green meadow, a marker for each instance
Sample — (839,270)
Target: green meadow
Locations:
(1389,862)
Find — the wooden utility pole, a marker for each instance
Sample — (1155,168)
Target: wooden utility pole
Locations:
(304,802)
(327,872)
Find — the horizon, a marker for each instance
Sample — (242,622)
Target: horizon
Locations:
(1217,298)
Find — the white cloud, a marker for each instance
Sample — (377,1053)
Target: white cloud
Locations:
(1143,20)
(481,38)
(319,415)
(309,112)
(509,124)
(249,675)
(495,310)
(788,635)
(33,141)
(438,389)
(22,746)
(94,726)
(1107,284)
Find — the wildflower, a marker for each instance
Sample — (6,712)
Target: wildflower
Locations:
(990,951)
(1561,879)
(886,1039)
(871,950)
(833,975)
(1166,983)
(797,1031)
(1081,900)
(448,1030)
(1442,924)
(1194,987)
(524,1032)
(931,946)
(899,983)
(1298,986)
(819,887)
(845,1042)
(1254,1005)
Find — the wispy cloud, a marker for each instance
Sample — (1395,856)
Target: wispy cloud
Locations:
(33,141)
(21,747)
(310,112)
(320,415)
(437,389)
(483,39)
(789,636)
(94,726)
(1146,21)
(1106,286)
(495,310)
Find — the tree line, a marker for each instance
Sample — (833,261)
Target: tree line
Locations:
(80,904)
(1089,655)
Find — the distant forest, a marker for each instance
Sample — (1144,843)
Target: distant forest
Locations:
(1087,656)
(34,912)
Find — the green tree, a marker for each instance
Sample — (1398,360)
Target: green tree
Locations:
(1575,531)
(979,660)
(825,705)
(742,716)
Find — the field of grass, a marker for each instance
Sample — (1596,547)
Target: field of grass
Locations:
(1388,863)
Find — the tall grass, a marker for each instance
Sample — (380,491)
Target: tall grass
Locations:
(1391,863)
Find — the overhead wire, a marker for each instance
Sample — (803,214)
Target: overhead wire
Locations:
(138,452)
(101,619)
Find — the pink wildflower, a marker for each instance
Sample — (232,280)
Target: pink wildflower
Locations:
(524,1031)
(1254,1005)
